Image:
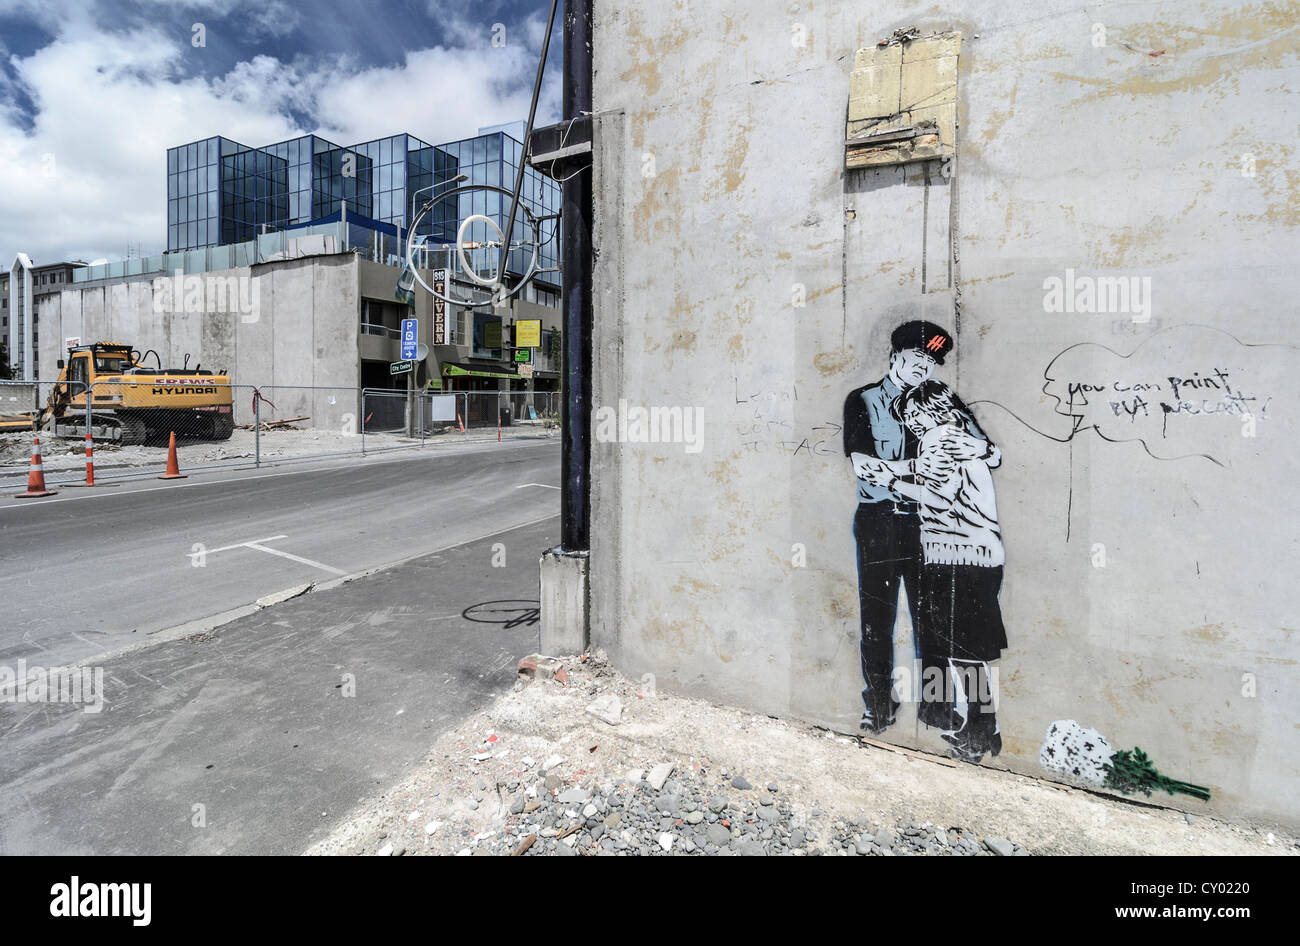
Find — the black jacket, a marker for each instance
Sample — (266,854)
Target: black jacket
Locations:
(858,437)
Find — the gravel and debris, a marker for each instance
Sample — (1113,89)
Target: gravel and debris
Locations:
(580,760)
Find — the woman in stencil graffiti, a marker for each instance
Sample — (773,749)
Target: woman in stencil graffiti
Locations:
(958,622)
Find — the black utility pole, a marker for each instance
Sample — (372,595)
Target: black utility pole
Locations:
(576,267)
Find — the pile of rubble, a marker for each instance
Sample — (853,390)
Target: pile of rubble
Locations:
(577,759)
(492,798)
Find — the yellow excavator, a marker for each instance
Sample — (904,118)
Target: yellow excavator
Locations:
(130,402)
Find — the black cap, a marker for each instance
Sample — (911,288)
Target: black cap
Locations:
(926,336)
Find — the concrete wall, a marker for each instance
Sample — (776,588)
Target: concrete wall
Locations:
(279,325)
(742,270)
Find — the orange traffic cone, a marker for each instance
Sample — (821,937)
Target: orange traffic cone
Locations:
(36,476)
(173,468)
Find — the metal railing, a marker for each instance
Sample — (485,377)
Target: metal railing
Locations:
(220,425)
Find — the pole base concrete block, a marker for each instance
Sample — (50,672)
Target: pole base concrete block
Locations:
(565,619)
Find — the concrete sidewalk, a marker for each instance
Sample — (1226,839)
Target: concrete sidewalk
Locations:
(247,739)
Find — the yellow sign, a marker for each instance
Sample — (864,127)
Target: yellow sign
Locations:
(528,333)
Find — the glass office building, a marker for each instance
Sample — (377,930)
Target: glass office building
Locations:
(398,173)
(319,176)
(221,192)
(203,206)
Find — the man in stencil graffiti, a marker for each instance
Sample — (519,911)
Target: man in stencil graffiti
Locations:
(887,524)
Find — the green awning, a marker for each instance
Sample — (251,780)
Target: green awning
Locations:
(456,371)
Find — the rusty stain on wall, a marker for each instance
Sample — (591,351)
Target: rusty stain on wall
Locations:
(830,363)
(1265,33)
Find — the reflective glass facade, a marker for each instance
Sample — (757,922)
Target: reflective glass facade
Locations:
(221,192)
(402,164)
(194,192)
(320,175)
(254,194)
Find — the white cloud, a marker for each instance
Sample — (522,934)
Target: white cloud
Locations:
(439,93)
(87,176)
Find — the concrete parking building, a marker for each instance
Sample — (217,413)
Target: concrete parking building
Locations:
(316,309)
(283,265)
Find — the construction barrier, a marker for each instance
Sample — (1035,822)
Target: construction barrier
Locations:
(124,428)
(173,471)
(36,475)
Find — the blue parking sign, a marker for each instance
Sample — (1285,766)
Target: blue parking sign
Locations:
(409,334)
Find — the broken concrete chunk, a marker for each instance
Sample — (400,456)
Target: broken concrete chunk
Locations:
(874,92)
(607,708)
(659,774)
(940,46)
(539,667)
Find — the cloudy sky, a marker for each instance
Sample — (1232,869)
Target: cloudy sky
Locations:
(93,93)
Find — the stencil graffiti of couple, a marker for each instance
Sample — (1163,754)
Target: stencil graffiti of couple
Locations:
(927,520)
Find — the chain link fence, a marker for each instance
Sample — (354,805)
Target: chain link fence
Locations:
(217,424)
(429,414)
(32,409)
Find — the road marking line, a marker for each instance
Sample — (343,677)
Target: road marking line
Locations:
(257,544)
(297,558)
(212,622)
(237,545)
(542,485)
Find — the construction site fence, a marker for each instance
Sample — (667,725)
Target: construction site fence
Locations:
(215,425)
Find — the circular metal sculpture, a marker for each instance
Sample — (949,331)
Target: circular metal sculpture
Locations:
(494,287)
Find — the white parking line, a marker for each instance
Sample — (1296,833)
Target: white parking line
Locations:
(542,485)
(237,545)
(297,558)
(257,544)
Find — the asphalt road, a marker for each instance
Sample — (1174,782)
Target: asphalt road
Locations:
(258,737)
(260,733)
(87,572)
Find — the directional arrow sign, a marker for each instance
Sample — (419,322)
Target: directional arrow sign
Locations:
(410,332)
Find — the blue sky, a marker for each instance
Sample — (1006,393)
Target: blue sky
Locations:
(92,94)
